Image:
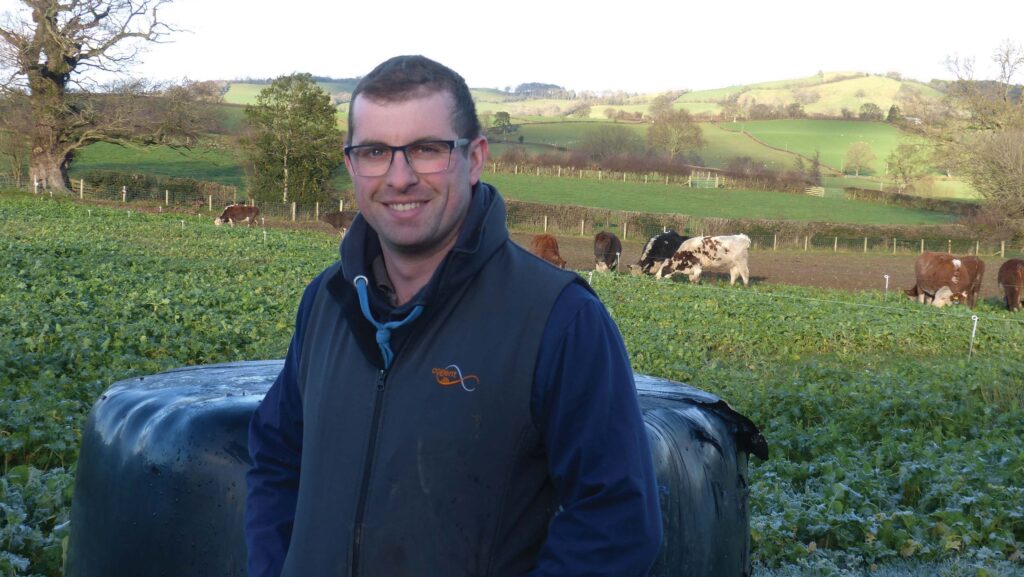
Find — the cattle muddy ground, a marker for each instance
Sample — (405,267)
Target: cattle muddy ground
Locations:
(850,271)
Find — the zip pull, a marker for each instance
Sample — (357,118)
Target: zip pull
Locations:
(381,376)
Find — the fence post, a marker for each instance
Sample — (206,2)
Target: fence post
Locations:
(316,210)
(894,245)
(341,205)
(209,200)
(625,229)
(545,223)
(865,245)
(623,177)
(806,238)
(538,171)
(977,248)
(775,242)
(81,188)
(559,171)
(124,193)
(600,174)
(582,222)
(835,244)
(645,179)
(922,246)
(689,181)
(1002,249)
(167,197)
(293,211)
(494,167)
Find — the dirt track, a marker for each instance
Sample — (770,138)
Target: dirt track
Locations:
(843,270)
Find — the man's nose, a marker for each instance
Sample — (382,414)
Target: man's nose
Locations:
(400,173)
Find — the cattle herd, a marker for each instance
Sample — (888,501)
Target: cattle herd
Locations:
(941,279)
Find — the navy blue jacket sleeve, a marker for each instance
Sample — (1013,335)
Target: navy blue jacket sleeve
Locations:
(585,404)
(275,447)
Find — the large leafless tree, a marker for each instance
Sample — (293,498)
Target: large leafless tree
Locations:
(55,55)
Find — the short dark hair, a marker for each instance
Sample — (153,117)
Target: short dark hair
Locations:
(405,77)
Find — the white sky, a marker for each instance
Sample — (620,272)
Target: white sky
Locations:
(637,45)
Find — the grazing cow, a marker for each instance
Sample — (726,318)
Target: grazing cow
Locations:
(607,250)
(238,213)
(546,247)
(712,253)
(962,275)
(1011,278)
(340,219)
(659,248)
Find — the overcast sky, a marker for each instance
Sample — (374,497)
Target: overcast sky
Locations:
(635,45)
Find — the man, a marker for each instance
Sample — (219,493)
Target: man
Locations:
(458,406)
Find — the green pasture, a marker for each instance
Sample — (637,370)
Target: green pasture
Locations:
(831,137)
(894,429)
(721,203)
(722,145)
(570,134)
(222,165)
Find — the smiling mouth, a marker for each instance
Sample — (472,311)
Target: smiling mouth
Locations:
(404,206)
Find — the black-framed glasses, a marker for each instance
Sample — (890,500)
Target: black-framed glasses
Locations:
(424,157)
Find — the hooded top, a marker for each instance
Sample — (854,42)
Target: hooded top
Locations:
(509,398)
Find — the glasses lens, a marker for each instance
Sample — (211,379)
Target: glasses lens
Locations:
(370,160)
(429,157)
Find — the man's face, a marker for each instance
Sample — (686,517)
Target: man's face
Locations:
(418,215)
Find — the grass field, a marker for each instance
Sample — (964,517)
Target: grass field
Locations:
(720,203)
(831,137)
(213,165)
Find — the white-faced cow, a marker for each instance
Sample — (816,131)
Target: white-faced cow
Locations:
(607,250)
(658,249)
(710,253)
(340,219)
(1011,278)
(238,213)
(546,247)
(961,275)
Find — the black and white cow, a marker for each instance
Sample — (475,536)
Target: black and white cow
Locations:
(711,253)
(658,248)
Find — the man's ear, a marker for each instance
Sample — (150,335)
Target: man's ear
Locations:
(479,152)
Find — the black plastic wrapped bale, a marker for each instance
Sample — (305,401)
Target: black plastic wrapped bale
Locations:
(160,488)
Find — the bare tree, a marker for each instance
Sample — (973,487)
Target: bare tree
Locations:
(985,140)
(49,53)
(859,157)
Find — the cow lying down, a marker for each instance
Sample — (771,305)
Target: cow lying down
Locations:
(711,253)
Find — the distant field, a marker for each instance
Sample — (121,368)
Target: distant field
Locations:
(704,202)
(831,137)
(721,146)
(213,165)
(570,134)
(206,164)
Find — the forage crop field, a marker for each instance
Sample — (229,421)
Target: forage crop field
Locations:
(895,431)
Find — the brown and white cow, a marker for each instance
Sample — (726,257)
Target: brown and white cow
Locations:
(607,250)
(962,275)
(1011,278)
(546,247)
(238,213)
(658,249)
(340,219)
(712,253)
